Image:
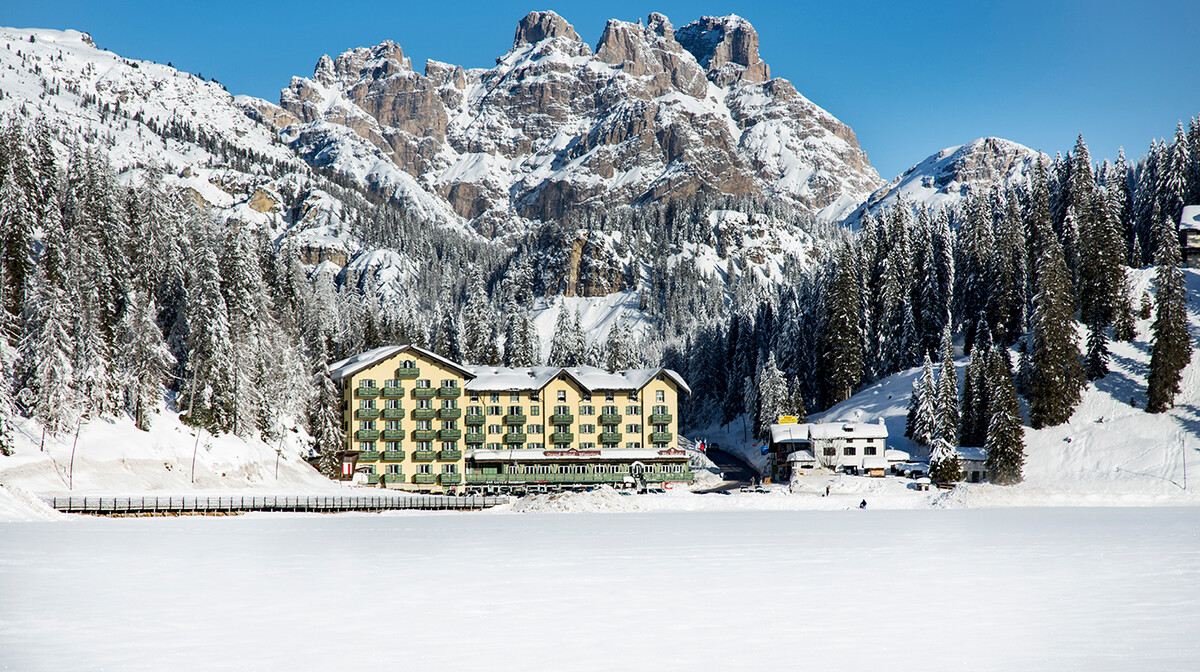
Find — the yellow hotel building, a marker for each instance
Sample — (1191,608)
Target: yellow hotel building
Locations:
(417,421)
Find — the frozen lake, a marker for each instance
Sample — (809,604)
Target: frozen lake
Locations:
(995,589)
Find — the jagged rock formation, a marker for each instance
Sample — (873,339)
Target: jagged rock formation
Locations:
(651,113)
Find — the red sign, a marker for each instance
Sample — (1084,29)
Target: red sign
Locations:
(672,451)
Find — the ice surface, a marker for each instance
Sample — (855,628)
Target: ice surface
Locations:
(1000,589)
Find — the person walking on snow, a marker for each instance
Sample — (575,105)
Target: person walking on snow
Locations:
(863,505)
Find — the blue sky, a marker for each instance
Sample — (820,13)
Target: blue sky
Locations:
(909,78)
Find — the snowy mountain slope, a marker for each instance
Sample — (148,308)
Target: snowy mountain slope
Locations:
(1110,448)
(555,125)
(944,179)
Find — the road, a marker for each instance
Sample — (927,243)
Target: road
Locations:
(735,472)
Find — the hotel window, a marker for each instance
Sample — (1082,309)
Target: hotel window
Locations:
(535,429)
(587,397)
(495,399)
(849,450)
(535,396)
(633,444)
(424,469)
(633,410)
(369,469)
(408,364)
(562,410)
(391,403)
(587,445)
(365,445)
(393,445)
(587,429)
(424,403)
(366,424)
(660,410)
(515,396)
(392,424)
(424,445)
(474,410)
(587,410)
(869,450)
(830,452)
(366,403)
(495,410)
(449,403)
(393,469)
(423,383)
(633,395)
(610,396)
(495,429)
(493,446)
(562,396)
(449,468)
(392,382)
(660,396)
(660,428)
(535,410)
(449,382)
(515,410)
(449,424)
(424,425)
(366,382)
(633,429)
(449,445)
(609,410)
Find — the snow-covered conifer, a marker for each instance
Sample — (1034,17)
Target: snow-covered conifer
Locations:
(142,359)
(1171,346)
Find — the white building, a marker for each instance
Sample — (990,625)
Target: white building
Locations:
(853,446)
(1189,236)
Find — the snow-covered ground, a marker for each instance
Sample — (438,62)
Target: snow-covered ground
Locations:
(997,589)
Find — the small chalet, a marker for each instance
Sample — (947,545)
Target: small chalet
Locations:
(1189,236)
(857,447)
(972,462)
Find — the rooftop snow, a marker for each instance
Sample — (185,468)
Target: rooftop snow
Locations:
(1190,218)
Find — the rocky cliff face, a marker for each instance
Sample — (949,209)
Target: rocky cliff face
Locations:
(650,113)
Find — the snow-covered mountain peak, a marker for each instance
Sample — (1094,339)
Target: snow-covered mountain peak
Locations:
(544,25)
(943,179)
(727,47)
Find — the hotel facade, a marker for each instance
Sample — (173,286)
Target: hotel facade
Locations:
(417,421)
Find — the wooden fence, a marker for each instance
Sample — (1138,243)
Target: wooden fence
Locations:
(190,504)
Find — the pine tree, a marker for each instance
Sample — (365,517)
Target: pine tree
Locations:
(943,462)
(562,347)
(142,359)
(772,396)
(325,423)
(843,342)
(1005,440)
(1171,347)
(946,407)
(924,420)
(1056,380)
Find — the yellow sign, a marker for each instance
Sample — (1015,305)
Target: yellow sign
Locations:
(788,420)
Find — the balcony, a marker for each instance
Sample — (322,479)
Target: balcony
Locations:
(424,392)
(660,437)
(393,414)
(470,419)
(514,437)
(610,437)
(514,419)
(414,372)
(393,478)
(393,392)
(448,413)
(562,419)
(366,434)
(450,455)
(424,455)
(449,434)
(659,477)
(610,419)
(473,438)
(424,435)
(424,413)
(449,392)
(366,392)
(373,479)
(368,456)
(451,479)
(366,413)
(562,437)
(393,435)
(660,418)
(393,455)
(424,478)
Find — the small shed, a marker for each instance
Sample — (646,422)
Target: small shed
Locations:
(875,467)
(972,462)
